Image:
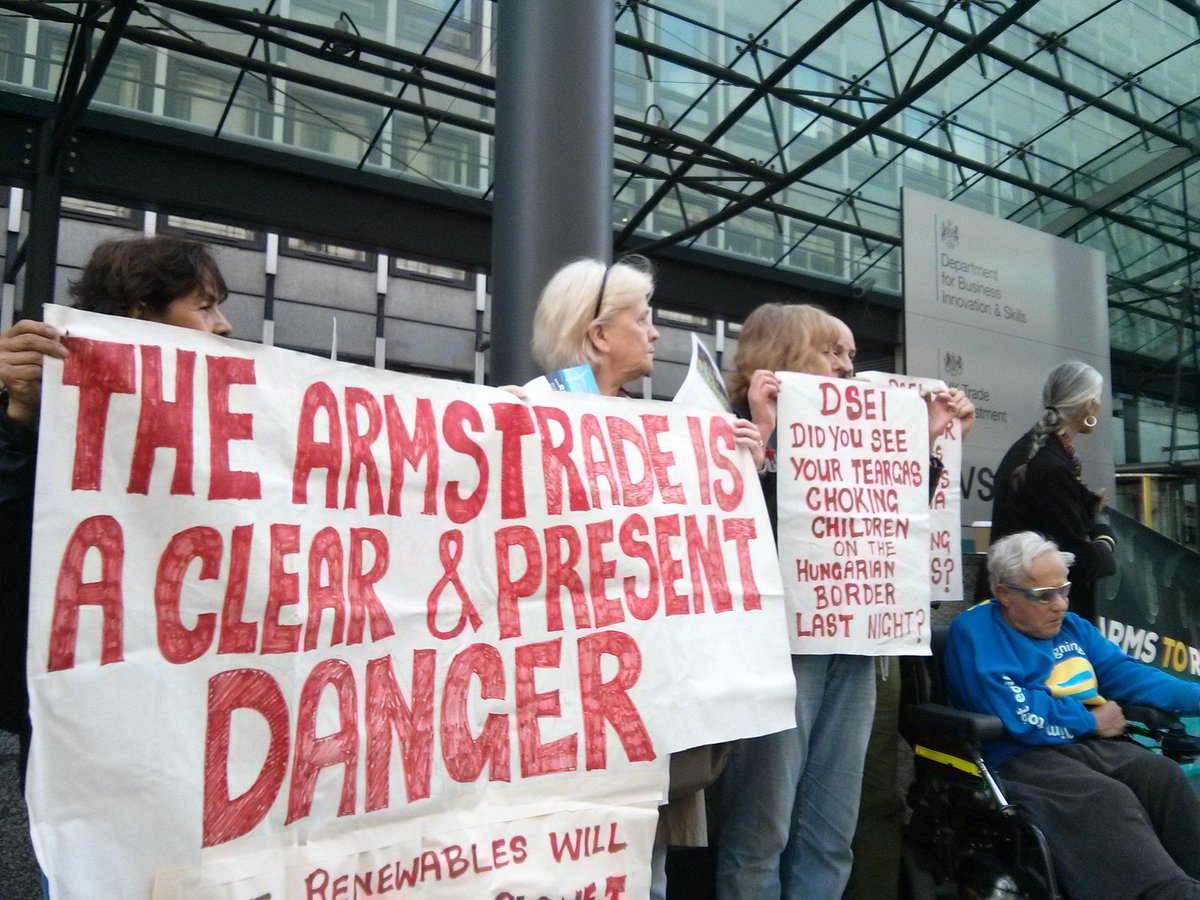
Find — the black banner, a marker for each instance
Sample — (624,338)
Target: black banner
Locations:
(1151,607)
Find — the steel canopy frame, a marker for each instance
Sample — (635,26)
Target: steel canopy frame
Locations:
(1136,208)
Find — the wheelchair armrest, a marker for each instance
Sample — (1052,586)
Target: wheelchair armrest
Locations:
(1163,728)
(1150,716)
(943,721)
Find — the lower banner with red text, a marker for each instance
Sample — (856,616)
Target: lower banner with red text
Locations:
(585,854)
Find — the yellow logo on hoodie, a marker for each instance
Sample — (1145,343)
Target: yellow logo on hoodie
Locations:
(1075,677)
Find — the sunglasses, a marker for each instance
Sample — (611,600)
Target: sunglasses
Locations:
(600,293)
(1042,594)
(634,261)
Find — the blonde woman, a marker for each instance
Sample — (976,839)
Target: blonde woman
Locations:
(598,314)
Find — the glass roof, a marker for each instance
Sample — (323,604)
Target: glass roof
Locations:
(778,132)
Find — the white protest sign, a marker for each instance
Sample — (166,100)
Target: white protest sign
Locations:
(704,385)
(853,516)
(945,515)
(279,602)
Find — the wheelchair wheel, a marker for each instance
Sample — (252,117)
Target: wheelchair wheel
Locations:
(980,877)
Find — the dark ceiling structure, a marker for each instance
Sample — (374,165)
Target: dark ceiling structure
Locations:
(759,143)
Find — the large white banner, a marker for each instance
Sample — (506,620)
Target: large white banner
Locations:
(292,617)
(991,307)
(853,491)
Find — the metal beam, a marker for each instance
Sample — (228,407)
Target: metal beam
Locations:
(135,163)
(156,38)
(411,76)
(1165,164)
(1148,377)
(40,248)
(1027,184)
(756,94)
(146,164)
(805,101)
(223,14)
(713,188)
(1187,6)
(867,126)
(73,106)
(308,79)
(642,132)
(715,284)
(457,221)
(1025,67)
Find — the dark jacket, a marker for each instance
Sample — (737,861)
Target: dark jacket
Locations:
(18,456)
(1053,501)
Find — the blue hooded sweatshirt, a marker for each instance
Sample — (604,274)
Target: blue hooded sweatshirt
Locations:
(1041,688)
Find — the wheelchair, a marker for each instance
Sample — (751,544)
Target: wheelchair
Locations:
(963,838)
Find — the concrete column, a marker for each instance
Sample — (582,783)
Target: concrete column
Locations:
(41,259)
(553,159)
(1131,420)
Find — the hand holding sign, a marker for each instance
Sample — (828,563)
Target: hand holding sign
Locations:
(22,348)
(763,399)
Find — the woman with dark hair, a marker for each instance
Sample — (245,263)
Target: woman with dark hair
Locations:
(1039,484)
(164,279)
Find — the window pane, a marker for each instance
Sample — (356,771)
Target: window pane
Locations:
(334,252)
(214,230)
(199,95)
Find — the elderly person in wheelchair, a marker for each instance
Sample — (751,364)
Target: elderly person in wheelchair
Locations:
(1120,820)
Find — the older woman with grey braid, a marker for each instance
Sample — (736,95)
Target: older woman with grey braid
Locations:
(1039,485)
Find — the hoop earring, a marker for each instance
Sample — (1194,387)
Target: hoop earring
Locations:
(1090,421)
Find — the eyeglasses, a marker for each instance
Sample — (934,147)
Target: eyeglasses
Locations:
(1042,595)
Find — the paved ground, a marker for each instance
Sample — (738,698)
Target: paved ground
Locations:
(18,872)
